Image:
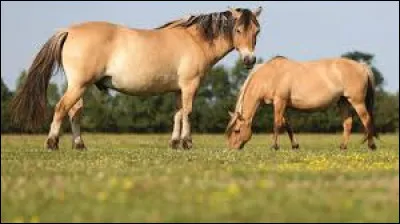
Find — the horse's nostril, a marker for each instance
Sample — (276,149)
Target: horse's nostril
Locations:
(249,60)
(246,60)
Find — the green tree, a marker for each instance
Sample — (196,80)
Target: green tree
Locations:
(387,112)
(6,95)
(212,102)
(217,94)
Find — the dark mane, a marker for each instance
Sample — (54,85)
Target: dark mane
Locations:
(214,24)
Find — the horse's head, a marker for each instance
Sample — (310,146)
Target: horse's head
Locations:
(238,131)
(245,33)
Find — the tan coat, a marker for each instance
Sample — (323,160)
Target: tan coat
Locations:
(306,86)
(172,58)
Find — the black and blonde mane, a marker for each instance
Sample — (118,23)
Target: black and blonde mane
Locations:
(214,24)
(239,102)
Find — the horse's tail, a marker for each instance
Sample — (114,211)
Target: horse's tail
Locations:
(28,107)
(370,98)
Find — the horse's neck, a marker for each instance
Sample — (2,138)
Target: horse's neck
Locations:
(251,100)
(214,51)
(220,47)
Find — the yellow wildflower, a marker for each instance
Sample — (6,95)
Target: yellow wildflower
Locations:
(101,196)
(19,219)
(263,184)
(112,182)
(34,219)
(127,184)
(233,189)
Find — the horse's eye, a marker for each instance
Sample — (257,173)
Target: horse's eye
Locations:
(237,130)
(238,31)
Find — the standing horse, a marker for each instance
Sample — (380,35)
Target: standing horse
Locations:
(305,86)
(171,58)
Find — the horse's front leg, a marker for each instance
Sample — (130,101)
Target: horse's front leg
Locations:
(279,110)
(176,133)
(188,92)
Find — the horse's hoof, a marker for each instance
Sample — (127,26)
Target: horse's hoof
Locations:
(187,143)
(174,143)
(343,147)
(372,147)
(295,146)
(275,147)
(79,146)
(52,143)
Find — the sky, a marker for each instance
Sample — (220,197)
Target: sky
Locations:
(298,30)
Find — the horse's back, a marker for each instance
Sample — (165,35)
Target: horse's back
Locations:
(338,69)
(314,83)
(93,30)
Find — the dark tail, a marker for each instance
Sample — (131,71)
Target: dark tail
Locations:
(370,99)
(28,107)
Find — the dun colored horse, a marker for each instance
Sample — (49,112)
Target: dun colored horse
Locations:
(305,86)
(171,58)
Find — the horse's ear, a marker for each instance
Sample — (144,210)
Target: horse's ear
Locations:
(235,13)
(257,11)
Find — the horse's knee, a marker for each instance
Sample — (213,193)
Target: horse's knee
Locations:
(187,111)
(59,111)
(178,116)
(76,110)
(279,123)
(347,124)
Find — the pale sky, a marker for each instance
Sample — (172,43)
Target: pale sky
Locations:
(298,30)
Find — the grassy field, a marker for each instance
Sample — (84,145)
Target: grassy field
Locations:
(137,178)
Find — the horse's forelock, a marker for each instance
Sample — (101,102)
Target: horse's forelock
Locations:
(246,18)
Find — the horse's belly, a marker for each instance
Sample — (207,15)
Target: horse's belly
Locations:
(136,70)
(143,84)
(316,102)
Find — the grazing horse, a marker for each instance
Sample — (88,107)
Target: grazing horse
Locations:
(171,58)
(305,86)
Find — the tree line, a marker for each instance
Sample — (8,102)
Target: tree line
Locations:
(106,112)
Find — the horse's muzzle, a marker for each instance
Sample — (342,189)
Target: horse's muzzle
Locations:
(249,61)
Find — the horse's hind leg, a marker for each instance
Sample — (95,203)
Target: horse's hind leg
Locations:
(75,114)
(289,130)
(347,118)
(365,117)
(70,97)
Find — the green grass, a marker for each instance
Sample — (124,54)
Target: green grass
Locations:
(137,178)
